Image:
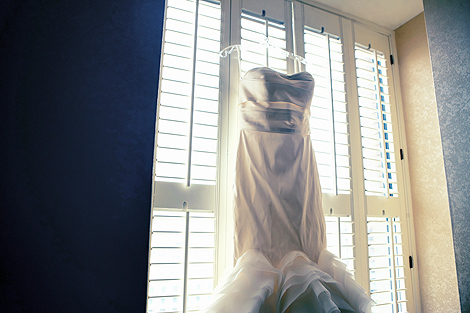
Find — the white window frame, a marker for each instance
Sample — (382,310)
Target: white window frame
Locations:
(228,133)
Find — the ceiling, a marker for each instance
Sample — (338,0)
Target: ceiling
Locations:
(387,13)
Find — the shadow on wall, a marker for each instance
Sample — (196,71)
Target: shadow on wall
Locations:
(448,26)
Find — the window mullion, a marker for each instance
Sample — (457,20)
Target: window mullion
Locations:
(186,264)
(394,265)
(338,219)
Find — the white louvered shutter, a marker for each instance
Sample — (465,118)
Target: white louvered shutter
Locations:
(388,242)
(378,151)
(386,264)
(182,261)
(188,101)
(182,254)
(323,50)
(329,121)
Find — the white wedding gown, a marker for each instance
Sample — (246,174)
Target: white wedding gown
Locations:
(280,243)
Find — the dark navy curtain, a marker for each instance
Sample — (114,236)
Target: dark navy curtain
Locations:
(78,101)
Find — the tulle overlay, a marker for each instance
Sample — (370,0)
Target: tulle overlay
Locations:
(280,238)
(296,285)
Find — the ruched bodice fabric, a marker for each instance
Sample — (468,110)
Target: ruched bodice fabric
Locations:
(274,102)
(265,84)
(280,241)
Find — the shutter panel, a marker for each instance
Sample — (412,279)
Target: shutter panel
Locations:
(329,120)
(182,255)
(175,94)
(255,30)
(182,260)
(201,260)
(206,95)
(378,120)
(378,151)
(329,125)
(167,262)
(386,264)
(189,95)
(329,128)
(388,241)
(188,104)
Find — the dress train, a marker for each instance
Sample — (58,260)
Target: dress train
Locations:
(297,285)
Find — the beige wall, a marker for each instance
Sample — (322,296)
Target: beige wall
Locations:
(435,252)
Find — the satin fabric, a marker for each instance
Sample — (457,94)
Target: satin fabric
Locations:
(278,199)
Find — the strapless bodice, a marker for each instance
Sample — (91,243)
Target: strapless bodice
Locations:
(275,102)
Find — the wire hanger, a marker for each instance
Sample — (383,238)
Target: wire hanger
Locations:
(263,44)
(238,48)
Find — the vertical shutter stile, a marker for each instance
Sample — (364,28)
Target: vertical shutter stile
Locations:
(333,148)
(191,110)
